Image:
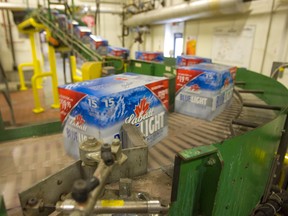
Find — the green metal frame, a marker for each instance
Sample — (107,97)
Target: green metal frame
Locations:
(30,131)
(3,211)
(243,165)
(141,67)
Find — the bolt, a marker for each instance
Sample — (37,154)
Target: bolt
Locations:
(59,182)
(211,161)
(32,201)
(106,148)
(91,141)
(63,196)
(80,191)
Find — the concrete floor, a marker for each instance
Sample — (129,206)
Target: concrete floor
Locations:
(23,101)
(25,162)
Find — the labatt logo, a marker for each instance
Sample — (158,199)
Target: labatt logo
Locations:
(144,118)
(78,122)
(195,88)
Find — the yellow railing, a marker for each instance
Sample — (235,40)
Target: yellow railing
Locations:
(30,27)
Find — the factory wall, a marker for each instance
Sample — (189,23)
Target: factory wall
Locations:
(6,55)
(270,41)
(110,29)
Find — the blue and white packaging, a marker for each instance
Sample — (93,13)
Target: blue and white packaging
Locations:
(204,90)
(99,44)
(118,52)
(99,108)
(83,33)
(72,24)
(188,60)
(149,56)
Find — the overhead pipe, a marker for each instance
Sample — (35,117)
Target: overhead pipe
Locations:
(102,2)
(21,6)
(189,10)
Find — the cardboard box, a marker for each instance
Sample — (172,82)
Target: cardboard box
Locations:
(118,52)
(99,108)
(99,44)
(83,33)
(188,60)
(149,56)
(72,24)
(204,90)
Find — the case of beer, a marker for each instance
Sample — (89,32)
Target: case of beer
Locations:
(118,52)
(204,90)
(188,60)
(99,108)
(149,56)
(99,44)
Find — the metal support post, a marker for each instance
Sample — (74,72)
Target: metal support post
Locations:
(282,150)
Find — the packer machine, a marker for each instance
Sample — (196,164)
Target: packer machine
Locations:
(229,166)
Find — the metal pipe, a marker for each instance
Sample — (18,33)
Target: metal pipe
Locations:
(102,172)
(116,206)
(282,149)
(189,10)
(18,6)
(267,36)
(4,26)
(103,2)
(11,40)
(21,74)
(262,106)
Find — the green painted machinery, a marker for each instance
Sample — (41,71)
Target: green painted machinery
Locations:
(230,178)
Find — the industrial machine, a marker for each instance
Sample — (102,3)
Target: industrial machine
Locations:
(88,195)
(224,167)
(227,167)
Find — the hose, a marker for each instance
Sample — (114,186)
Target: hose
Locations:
(277,202)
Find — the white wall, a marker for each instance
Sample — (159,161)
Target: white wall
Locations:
(5,53)
(110,29)
(152,40)
(270,40)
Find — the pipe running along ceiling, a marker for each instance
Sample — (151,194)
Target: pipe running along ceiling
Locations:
(189,10)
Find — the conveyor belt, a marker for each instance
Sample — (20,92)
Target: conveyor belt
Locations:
(187,132)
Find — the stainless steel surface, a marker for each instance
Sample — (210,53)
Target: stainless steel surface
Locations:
(136,164)
(102,172)
(88,146)
(50,190)
(125,187)
(115,206)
